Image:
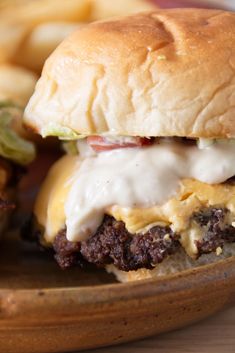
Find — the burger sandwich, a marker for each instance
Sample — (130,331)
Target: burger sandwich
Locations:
(146,107)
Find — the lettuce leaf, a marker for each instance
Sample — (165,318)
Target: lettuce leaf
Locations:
(62,132)
(12,146)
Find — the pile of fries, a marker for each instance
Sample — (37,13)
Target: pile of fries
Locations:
(31,30)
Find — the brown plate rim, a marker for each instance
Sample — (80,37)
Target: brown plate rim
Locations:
(15,304)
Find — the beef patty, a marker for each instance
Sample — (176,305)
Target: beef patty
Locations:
(113,244)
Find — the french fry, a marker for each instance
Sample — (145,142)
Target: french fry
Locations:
(41,42)
(11,34)
(33,13)
(16,87)
(102,9)
(16,84)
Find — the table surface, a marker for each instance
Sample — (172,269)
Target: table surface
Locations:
(213,335)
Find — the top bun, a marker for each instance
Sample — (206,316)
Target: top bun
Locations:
(161,73)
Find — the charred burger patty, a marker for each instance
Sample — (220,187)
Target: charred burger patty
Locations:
(113,244)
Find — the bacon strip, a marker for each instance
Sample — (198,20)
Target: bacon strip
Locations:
(99,143)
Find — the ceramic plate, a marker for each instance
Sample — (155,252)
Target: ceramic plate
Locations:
(44,309)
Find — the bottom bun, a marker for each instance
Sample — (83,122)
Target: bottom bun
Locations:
(178,262)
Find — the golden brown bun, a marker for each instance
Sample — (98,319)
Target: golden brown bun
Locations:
(163,73)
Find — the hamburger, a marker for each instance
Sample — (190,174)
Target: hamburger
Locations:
(146,104)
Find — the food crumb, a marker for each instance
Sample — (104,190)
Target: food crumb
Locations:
(219,251)
(161,57)
(167,236)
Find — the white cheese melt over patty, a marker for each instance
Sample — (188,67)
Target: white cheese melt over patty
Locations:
(139,177)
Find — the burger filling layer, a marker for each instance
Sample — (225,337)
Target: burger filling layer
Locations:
(163,192)
(113,244)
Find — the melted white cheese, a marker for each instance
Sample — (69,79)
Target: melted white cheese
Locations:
(139,177)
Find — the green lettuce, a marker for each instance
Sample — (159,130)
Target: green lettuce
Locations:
(12,146)
(62,132)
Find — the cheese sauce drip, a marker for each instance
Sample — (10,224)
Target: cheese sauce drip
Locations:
(139,177)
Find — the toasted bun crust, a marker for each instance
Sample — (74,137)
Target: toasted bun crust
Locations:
(162,73)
